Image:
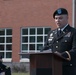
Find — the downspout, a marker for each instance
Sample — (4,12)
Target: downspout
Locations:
(73,13)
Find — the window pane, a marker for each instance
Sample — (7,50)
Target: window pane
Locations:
(25,39)
(32,31)
(39,46)
(2,39)
(32,46)
(9,32)
(1,47)
(24,31)
(2,32)
(47,30)
(8,55)
(8,39)
(39,30)
(39,38)
(2,54)
(45,38)
(24,46)
(8,47)
(32,38)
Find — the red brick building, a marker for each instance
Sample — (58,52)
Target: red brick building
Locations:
(24,25)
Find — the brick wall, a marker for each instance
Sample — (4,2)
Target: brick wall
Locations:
(24,13)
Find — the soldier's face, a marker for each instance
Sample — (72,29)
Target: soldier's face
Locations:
(61,20)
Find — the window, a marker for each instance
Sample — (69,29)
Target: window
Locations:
(6,43)
(32,39)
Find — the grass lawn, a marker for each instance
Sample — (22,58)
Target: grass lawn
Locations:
(20,74)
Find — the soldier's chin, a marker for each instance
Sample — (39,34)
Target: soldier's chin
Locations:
(59,25)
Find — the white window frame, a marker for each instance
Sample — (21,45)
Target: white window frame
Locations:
(5,59)
(28,50)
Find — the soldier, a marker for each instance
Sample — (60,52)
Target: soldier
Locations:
(4,68)
(63,41)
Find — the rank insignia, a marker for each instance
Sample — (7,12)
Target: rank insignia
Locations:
(68,34)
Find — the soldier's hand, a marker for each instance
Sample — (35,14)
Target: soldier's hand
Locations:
(57,52)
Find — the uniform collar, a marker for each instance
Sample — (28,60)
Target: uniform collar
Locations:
(64,27)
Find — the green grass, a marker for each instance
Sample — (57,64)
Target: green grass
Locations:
(20,74)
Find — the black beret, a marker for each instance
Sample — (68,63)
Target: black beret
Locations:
(60,11)
(0,57)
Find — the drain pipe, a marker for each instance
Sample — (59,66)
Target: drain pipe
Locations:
(73,13)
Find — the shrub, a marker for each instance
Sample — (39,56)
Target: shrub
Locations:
(19,68)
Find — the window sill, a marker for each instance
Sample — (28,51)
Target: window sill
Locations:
(7,60)
(24,60)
